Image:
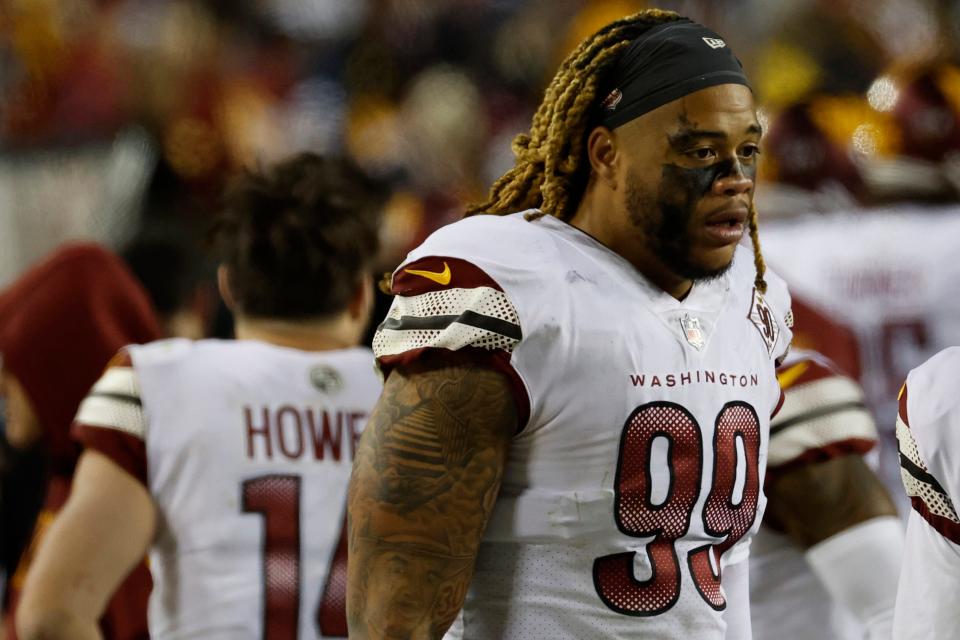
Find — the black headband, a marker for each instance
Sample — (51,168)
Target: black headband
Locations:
(666,63)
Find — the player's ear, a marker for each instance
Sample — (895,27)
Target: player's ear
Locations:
(223,285)
(603,153)
(360,306)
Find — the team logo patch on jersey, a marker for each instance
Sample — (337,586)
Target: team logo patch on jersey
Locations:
(326,379)
(694,332)
(612,100)
(762,318)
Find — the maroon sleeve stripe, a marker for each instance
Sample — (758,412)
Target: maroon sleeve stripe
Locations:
(126,450)
(779,406)
(435,273)
(946,527)
(838,449)
(902,405)
(499,360)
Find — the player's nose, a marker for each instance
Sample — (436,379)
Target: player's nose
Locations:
(734,183)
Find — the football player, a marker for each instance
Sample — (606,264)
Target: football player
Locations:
(228,460)
(928,426)
(899,303)
(826,560)
(60,323)
(572,437)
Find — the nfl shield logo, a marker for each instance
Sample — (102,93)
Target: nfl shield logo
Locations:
(693,330)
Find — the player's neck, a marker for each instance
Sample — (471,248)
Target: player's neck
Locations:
(625,239)
(307,335)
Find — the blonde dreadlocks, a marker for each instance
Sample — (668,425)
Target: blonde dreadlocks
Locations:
(551,171)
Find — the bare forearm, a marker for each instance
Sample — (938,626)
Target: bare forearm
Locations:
(820,500)
(96,539)
(54,624)
(424,483)
(410,593)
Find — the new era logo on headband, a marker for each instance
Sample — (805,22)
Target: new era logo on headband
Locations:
(715,43)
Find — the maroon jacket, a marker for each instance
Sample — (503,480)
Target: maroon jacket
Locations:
(60,324)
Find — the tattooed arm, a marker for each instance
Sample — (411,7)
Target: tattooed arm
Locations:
(816,501)
(424,484)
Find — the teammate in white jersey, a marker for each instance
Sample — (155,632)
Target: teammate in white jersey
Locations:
(229,460)
(901,304)
(572,437)
(928,432)
(825,563)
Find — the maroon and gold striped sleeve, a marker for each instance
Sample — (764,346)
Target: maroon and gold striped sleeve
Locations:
(823,415)
(111,418)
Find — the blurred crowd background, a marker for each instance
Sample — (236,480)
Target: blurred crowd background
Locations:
(120,119)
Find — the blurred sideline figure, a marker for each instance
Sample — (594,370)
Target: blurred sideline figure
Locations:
(596,338)
(175,273)
(229,461)
(174,276)
(928,432)
(60,323)
(805,170)
(888,276)
(826,560)
(22,486)
(898,143)
(892,152)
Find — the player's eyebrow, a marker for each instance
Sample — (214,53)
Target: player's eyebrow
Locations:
(687,136)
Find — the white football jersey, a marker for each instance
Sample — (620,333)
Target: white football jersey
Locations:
(891,277)
(823,417)
(637,473)
(928,431)
(246,448)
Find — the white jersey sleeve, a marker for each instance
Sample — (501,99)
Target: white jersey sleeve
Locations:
(928,433)
(823,416)
(111,419)
(455,292)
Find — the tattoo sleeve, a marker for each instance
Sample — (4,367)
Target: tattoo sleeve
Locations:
(424,483)
(816,501)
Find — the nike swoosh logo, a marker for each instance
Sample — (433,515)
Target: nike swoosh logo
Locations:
(789,376)
(440,277)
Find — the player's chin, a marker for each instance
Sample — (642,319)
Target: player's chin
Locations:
(713,260)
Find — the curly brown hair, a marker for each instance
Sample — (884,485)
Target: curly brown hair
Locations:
(298,237)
